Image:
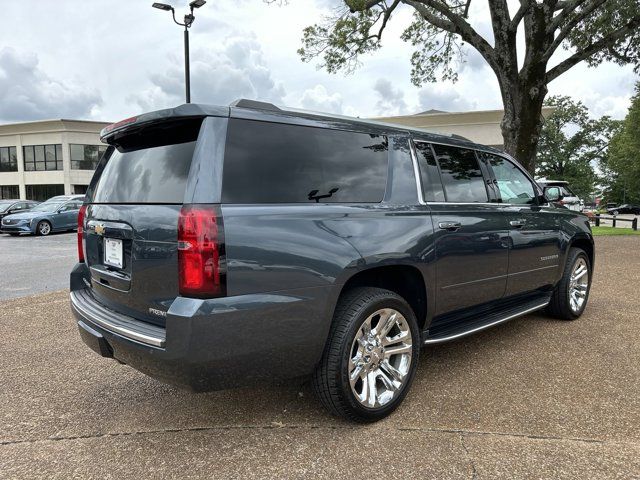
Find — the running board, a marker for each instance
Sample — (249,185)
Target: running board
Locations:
(472,326)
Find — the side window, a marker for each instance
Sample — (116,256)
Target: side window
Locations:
(278,163)
(514,186)
(431,184)
(461,175)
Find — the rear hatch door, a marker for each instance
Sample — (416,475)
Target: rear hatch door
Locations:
(131,224)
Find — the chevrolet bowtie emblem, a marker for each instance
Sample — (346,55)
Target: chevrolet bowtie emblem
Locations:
(99,229)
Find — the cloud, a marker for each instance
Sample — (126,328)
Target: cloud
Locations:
(444,97)
(28,93)
(235,69)
(390,100)
(318,99)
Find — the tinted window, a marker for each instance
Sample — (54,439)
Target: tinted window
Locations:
(151,166)
(86,157)
(431,184)
(514,186)
(44,192)
(42,157)
(277,163)
(8,159)
(461,175)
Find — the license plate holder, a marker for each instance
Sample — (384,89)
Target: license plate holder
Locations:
(113,252)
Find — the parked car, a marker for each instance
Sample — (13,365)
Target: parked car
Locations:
(226,246)
(625,209)
(8,207)
(56,214)
(566,197)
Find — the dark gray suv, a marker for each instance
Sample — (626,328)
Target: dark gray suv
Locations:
(222,246)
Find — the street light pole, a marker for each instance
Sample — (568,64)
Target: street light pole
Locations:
(187,73)
(188,21)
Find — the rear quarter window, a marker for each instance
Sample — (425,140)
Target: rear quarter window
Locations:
(279,163)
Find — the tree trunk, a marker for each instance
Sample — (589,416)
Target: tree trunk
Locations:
(522,121)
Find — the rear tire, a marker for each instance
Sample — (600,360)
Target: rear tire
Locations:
(14,234)
(374,340)
(570,296)
(43,228)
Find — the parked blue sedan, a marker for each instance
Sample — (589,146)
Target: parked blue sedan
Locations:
(56,214)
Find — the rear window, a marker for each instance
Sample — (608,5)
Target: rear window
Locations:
(278,163)
(461,175)
(149,166)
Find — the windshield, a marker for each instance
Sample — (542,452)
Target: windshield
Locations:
(4,207)
(47,207)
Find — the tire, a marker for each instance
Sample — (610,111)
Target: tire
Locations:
(561,305)
(43,228)
(14,234)
(615,213)
(344,354)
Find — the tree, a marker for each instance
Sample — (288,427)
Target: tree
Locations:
(591,31)
(622,164)
(571,143)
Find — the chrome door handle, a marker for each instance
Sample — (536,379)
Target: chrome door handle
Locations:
(451,226)
(517,223)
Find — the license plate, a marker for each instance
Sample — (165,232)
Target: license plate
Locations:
(113,252)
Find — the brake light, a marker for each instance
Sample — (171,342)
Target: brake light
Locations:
(119,124)
(201,258)
(81,215)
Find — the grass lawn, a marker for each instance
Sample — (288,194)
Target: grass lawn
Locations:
(600,231)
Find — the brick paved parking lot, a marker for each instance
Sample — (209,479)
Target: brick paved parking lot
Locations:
(534,398)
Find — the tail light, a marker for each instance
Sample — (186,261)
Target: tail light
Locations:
(81,215)
(201,258)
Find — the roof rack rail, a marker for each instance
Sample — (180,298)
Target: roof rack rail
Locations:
(254,104)
(460,137)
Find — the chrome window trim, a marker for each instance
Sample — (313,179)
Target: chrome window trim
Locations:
(416,172)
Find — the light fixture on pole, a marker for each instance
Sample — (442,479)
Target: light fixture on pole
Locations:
(188,21)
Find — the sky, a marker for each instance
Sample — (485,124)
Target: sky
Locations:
(111,59)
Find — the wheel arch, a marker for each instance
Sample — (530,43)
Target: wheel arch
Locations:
(585,244)
(405,280)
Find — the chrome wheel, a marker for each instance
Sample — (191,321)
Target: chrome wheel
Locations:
(44,228)
(578,285)
(380,358)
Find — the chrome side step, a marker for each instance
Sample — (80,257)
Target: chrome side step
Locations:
(492,321)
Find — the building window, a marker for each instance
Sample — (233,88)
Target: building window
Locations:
(9,191)
(80,189)
(8,159)
(86,157)
(42,157)
(44,192)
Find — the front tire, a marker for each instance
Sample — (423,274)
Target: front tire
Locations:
(43,228)
(570,296)
(371,355)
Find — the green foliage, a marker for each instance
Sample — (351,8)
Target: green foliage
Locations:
(342,39)
(606,231)
(437,53)
(622,167)
(571,144)
(606,19)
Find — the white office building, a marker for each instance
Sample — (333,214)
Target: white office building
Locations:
(49,157)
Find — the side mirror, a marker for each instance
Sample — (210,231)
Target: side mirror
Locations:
(553,194)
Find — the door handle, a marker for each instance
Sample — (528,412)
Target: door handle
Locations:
(451,226)
(517,223)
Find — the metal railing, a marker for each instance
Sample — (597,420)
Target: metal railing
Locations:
(614,219)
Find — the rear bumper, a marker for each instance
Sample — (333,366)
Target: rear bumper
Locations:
(212,344)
